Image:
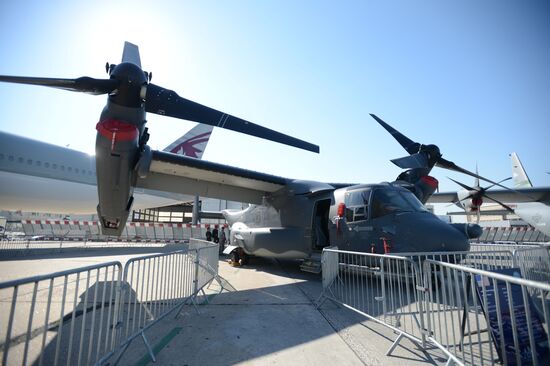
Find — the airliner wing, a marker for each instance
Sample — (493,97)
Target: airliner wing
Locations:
(182,174)
(534,194)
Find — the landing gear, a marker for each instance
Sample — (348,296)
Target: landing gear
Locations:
(238,258)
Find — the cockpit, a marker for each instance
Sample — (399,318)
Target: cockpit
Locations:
(362,204)
(388,201)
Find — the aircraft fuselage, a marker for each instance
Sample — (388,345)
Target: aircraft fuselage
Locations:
(356,218)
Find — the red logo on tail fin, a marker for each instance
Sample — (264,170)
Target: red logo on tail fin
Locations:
(187,147)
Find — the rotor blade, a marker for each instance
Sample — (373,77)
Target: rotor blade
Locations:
(167,102)
(410,146)
(500,203)
(446,164)
(492,185)
(412,161)
(468,188)
(83,84)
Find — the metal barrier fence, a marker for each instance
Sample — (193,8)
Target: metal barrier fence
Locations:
(479,247)
(27,244)
(441,304)
(155,286)
(382,288)
(90,314)
(479,317)
(487,260)
(89,230)
(66,317)
(207,259)
(534,263)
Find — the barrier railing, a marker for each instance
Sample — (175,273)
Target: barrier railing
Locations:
(534,263)
(90,314)
(208,257)
(487,260)
(66,317)
(477,247)
(479,317)
(156,286)
(382,288)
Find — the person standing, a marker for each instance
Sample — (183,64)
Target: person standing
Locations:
(223,238)
(215,234)
(208,234)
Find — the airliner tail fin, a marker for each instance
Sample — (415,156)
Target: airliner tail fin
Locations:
(520,177)
(193,143)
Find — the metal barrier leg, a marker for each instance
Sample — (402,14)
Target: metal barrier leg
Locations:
(120,354)
(323,297)
(180,309)
(192,298)
(395,344)
(148,347)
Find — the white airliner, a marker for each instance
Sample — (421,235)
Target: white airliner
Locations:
(41,177)
(535,213)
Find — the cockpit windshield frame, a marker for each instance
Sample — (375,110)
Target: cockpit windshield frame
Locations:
(388,201)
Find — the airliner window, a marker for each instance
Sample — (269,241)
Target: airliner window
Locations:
(388,201)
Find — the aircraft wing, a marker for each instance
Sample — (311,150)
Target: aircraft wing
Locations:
(534,194)
(482,213)
(444,197)
(186,175)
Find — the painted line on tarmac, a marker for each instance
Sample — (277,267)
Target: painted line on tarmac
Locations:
(159,346)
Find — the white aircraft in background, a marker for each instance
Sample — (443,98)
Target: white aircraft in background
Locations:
(41,177)
(536,214)
(531,204)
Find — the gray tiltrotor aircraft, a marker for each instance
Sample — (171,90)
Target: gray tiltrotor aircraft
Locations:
(305,216)
(287,218)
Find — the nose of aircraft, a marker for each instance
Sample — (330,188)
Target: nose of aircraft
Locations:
(423,232)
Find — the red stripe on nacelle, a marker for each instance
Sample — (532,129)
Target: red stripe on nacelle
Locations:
(115,130)
(431,181)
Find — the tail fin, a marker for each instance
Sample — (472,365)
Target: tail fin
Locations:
(193,143)
(131,54)
(521,180)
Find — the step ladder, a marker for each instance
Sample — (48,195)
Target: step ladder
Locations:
(312,264)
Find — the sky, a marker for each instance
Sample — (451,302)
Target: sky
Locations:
(471,76)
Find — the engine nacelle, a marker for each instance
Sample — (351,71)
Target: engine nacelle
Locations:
(116,154)
(425,187)
(471,231)
(469,201)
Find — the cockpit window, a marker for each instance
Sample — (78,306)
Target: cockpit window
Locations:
(387,201)
(357,205)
